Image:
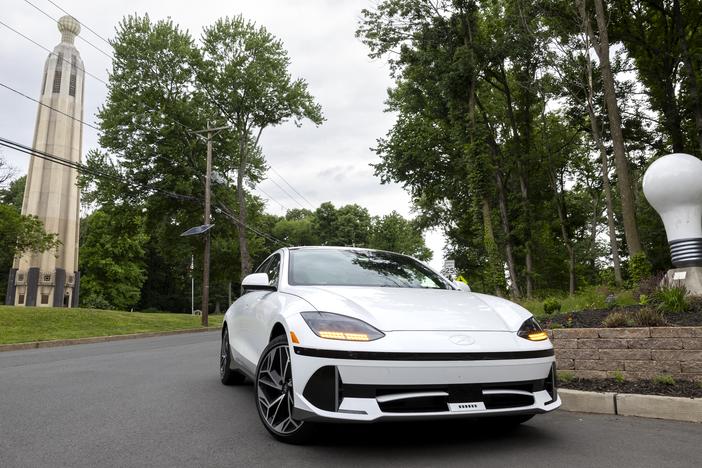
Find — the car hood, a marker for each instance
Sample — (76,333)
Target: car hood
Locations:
(395,309)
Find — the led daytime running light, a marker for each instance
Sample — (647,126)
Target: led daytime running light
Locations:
(332,335)
(340,327)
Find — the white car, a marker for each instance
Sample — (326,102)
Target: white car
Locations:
(349,334)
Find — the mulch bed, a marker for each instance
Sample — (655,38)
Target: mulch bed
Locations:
(682,388)
(593,318)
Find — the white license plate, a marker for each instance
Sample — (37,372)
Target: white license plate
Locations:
(466,407)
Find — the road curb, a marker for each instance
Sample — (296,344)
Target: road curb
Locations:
(630,404)
(99,339)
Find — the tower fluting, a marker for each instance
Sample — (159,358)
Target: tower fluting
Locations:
(52,278)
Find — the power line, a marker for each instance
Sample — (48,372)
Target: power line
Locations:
(81,38)
(270,198)
(82,24)
(49,107)
(81,168)
(60,57)
(293,188)
(286,192)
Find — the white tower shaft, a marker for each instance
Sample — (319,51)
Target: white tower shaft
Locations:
(51,278)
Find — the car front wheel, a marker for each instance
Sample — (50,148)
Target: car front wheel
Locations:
(274,394)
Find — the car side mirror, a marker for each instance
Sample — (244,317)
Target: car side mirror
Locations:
(257,282)
(461,286)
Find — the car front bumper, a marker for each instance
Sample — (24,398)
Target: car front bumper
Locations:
(336,385)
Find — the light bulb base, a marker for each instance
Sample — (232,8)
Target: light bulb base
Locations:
(686,252)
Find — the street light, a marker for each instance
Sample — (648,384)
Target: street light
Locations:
(196,231)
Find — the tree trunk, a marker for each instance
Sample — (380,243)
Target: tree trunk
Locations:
(241,197)
(689,70)
(615,124)
(511,264)
(502,202)
(523,185)
(496,267)
(562,217)
(597,136)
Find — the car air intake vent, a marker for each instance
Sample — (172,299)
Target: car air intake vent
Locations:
(506,400)
(323,389)
(429,404)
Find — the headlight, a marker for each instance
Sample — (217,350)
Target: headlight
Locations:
(340,327)
(532,331)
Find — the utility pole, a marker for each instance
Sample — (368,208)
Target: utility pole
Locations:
(206,263)
(211,133)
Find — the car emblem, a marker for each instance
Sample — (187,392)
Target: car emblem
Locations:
(463,340)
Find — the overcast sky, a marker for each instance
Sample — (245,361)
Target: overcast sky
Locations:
(326,163)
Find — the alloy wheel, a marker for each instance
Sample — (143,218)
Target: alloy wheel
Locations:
(275,390)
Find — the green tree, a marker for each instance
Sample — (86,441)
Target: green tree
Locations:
(14,193)
(20,234)
(112,257)
(244,72)
(394,233)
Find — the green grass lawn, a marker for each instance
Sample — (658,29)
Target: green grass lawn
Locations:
(25,324)
(588,298)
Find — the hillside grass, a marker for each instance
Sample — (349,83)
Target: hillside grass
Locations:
(586,299)
(27,324)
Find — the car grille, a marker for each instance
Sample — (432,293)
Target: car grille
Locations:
(326,390)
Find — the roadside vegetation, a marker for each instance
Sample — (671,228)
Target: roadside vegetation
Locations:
(27,324)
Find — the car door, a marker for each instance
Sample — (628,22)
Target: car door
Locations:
(243,324)
(265,306)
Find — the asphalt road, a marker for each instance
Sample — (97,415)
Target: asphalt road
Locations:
(158,402)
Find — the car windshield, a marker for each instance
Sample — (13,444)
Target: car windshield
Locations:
(345,267)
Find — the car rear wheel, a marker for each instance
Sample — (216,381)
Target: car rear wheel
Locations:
(274,394)
(227,375)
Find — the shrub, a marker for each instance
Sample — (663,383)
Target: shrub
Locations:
(565,376)
(639,268)
(648,286)
(664,379)
(648,317)
(95,301)
(672,298)
(616,320)
(552,305)
(618,376)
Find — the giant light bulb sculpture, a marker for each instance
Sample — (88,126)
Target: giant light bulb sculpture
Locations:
(673,186)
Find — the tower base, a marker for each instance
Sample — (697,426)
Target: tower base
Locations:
(690,277)
(35,288)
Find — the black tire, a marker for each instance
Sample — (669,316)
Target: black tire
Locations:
(227,375)
(273,384)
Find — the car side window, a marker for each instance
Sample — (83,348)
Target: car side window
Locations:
(263,267)
(272,268)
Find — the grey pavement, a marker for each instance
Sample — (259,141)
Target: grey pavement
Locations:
(158,402)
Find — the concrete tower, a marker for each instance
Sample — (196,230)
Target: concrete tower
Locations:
(52,278)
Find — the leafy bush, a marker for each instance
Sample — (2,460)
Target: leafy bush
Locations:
(672,298)
(95,301)
(664,379)
(648,286)
(617,320)
(639,268)
(618,376)
(648,317)
(552,305)
(565,376)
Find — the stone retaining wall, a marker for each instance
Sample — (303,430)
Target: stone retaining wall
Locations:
(636,353)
